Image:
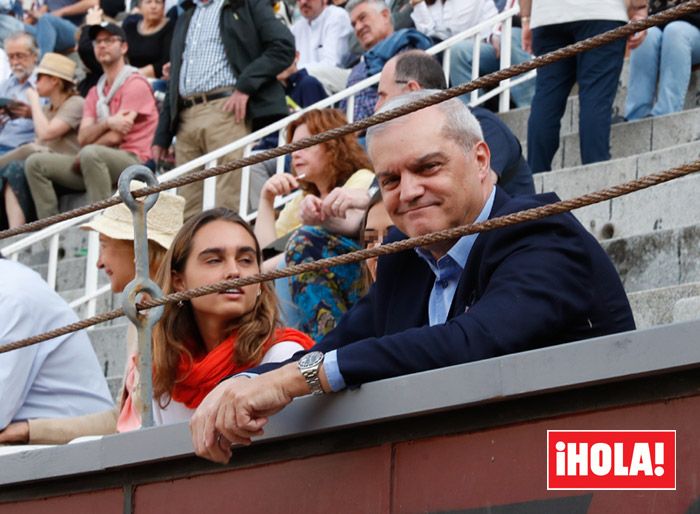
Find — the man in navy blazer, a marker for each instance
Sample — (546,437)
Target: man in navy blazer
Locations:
(526,286)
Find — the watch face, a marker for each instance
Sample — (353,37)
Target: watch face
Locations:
(311,359)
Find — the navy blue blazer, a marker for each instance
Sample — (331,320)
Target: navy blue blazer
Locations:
(527,286)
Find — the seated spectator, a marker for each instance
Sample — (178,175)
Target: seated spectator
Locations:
(17,127)
(527,286)
(118,123)
(375,228)
(442,19)
(56,128)
(660,67)
(321,37)
(302,90)
(57,378)
(116,258)
(415,70)
(330,175)
(490,59)
(149,35)
(54,23)
(11,16)
(199,342)
(371,20)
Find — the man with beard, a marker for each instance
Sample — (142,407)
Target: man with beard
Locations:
(119,121)
(15,113)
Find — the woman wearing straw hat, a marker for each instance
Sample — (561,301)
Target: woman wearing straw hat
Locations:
(115,228)
(56,128)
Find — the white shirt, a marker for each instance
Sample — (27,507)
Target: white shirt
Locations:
(445,19)
(551,12)
(323,40)
(53,379)
(176,412)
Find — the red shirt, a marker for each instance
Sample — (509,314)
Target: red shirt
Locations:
(135,95)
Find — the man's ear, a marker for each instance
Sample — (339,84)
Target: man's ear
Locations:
(413,85)
(482,154)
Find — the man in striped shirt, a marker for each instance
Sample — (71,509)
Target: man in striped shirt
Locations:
(224,59)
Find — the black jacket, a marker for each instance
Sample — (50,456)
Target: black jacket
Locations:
(258,46)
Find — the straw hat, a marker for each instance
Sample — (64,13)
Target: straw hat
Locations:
(163,220)
(57,65)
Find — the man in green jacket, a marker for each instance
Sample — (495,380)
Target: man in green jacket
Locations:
(224,58)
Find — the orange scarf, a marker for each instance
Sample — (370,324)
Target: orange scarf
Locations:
(196,379)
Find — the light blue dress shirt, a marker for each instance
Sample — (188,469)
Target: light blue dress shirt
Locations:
(448,269)
(18,131)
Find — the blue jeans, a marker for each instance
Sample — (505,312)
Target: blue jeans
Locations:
(597,73)
(461,65)
(665,57)
(9,25)
(53,34)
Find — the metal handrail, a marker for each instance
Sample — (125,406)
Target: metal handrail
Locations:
(246,142)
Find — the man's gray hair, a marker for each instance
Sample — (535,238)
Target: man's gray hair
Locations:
(28,38)
(460,124)
(379,5)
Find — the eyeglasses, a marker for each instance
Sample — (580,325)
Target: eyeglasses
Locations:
(19,56)
(106,41)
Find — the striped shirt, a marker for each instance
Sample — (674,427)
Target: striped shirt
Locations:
(204,63)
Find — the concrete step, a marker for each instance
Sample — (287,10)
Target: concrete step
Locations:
(636,137)
(70,274)
(105,302)
(657,259)
(686,309)
(669,205)
(656,306)
(115,383)
(109,344)
(516,119)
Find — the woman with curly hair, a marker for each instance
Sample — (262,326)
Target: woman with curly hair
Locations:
(198,343)
(334,179)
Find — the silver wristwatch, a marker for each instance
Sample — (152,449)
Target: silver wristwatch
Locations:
(309,365)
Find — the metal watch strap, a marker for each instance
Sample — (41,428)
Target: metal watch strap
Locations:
(312,378)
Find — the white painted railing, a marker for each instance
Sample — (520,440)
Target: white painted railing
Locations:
(92,292)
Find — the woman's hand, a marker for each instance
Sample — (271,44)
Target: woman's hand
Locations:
(340,200)
(311,210)
(278,185)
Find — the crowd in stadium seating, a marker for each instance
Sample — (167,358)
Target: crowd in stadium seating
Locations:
(223,69)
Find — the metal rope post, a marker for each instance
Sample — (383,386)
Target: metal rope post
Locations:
(142,283)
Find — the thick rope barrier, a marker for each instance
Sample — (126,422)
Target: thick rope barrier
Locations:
(398,246)
(491,79)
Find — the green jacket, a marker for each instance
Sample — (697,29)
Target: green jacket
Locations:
(258,47)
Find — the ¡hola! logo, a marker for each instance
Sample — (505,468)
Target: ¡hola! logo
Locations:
(611,459)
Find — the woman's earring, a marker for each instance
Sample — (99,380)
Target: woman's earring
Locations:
(259,292)
(181,304)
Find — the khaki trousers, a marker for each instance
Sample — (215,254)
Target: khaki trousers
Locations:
(204,128)
(100,168)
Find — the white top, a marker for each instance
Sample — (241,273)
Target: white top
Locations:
(550,12)
(53,379)
(445,19)
(176,412)
(323,40)
(5,69)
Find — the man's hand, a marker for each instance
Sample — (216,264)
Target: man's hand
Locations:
(15,433)
(526,36)
(237,409)
(311,210)
(166,71)
(19,109)
(636,39)
(340,200)
(121,122)
(159,153)
(237,104)
(93,16)
(496,44)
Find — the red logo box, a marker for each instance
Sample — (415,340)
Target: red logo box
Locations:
(611,459)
